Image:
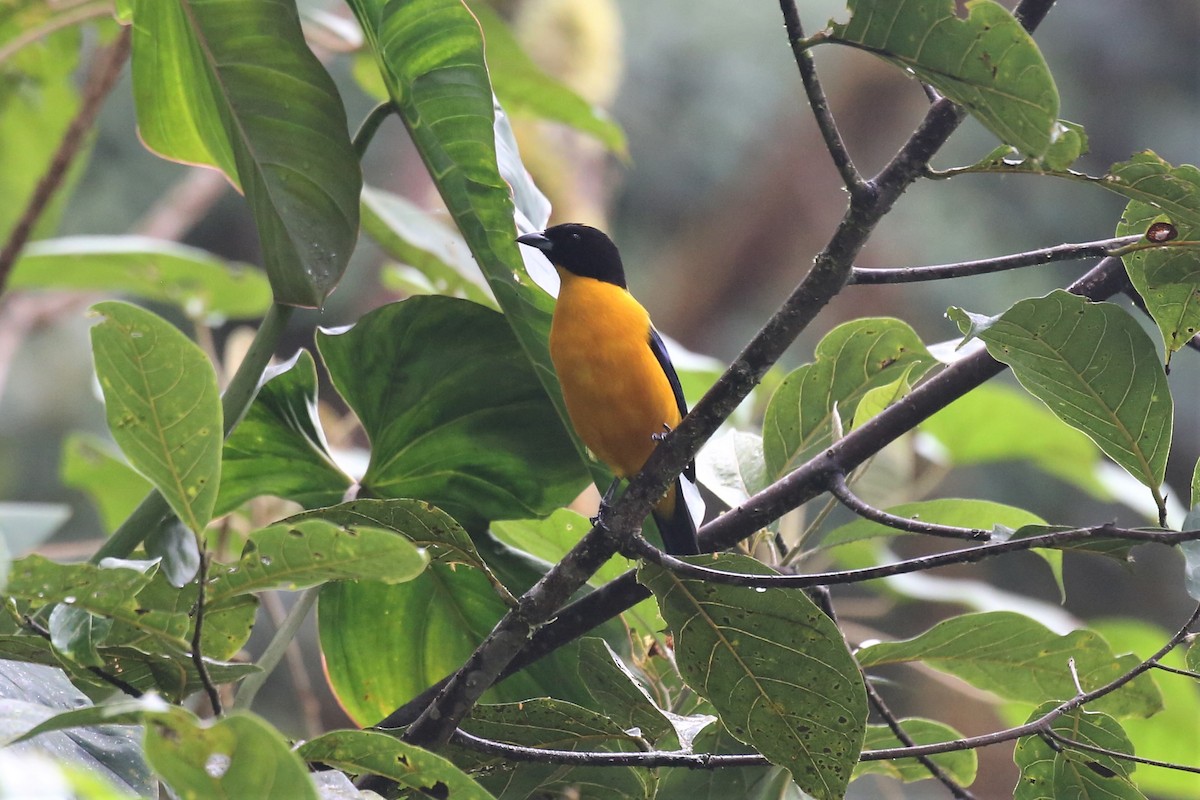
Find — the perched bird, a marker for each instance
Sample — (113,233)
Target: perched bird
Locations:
(622,393)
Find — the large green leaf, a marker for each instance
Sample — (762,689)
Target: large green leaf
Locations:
(619,694)
(1049,774)
(960,765)
(162,405)
(985,62)
(1168,279)
(369,752)
(453,411)
(553,724)
(1094,367)
(204,286)
(279,448)
(430,53)
(309,552)
(1020,659)
(383,645)
(1148,179)
(254,758)
(232,84)
(852,359)
(775,668)
(524,88)
(999,423)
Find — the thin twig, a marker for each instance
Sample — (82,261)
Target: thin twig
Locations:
(1075,744)
(1187,673)
(893,723)
(103,77)
(210,688)
(816,100)
(839,489)
(82,13)
(1047,255)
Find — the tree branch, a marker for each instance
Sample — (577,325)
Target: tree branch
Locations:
(841,490)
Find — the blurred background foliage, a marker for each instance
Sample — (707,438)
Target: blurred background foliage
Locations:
(721,201)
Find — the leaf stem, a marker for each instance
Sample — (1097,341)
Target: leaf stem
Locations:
(370,126)
(276,649)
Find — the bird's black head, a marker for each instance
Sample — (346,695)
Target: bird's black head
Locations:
(580,250)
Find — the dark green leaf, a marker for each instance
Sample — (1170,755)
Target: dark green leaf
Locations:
(309,552)
(1167,279)
(1047,774)
(985,62)
(162,404)
(255,758)
(996,423)
(453,411)
(202,285)
(430,53)
(1020,659)
(210,91)
(368,752)
(852,359)
(279,448)
(112,485)
(524,88)
(618,693)
(711,784)
(1094,367)
(774,666)
(554,724)
(960,765)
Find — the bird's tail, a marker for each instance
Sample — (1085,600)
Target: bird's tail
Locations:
(675,523)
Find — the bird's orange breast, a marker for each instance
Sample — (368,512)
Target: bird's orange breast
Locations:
(616,392)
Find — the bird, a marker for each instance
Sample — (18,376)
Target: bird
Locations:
(621,391)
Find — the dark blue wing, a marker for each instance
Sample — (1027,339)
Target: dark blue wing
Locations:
(664,360)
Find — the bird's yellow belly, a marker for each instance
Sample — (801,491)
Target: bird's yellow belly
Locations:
(615,390)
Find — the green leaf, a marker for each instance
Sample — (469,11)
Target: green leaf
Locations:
(729,782)
(255,758)
(209,90)
(524,88)
(995,423)
(979,514)
(775,668)
(733,466)
(162,405)
(310,552)
(1048,774)
(279,447)
(618,693)
(430,53)
(368,752)
(202,285)
(554,724)
(852,359)
(985,62)
(1019,659)
(383,645)
(1167,279)
(112,485)
(960,765)
(418,239)
(453,411)
(107,592)
(1094,367)
(1147,178)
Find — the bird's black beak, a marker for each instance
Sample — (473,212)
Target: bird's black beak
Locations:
(537,240)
